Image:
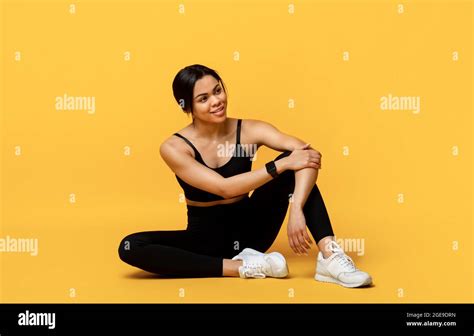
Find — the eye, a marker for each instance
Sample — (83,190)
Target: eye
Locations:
(218,90)
(203,99)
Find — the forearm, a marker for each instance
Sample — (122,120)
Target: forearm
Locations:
(243,183)
(304,182)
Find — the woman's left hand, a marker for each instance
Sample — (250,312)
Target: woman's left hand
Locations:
(297,234)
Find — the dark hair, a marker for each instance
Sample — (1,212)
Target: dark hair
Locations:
(184,81)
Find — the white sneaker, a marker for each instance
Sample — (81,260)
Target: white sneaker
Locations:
(261,265)
(340,269)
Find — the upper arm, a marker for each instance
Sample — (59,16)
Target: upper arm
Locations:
(191,171)
(264,133)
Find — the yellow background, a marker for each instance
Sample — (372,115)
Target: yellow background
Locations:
(409,246)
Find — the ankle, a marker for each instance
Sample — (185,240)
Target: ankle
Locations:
(231,267)
(323,245)
(326,254)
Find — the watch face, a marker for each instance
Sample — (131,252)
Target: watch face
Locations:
(271,168)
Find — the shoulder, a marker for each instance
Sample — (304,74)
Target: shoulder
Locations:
(174,145)
(255,130)
(174,141)
(254,126)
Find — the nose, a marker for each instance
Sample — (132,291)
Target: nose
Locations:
(216,101)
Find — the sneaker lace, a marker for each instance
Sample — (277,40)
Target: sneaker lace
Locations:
(343,259)
(254,270)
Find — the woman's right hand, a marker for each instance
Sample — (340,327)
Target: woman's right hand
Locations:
(304,157)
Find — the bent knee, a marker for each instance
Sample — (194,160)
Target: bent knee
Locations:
(125,247)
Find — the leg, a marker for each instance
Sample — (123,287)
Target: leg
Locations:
(269,204)
(171,253)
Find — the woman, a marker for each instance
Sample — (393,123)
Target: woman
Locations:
(227,231)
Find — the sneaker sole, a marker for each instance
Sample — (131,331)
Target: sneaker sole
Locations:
(324,278)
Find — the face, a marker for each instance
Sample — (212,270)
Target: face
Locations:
(208,97)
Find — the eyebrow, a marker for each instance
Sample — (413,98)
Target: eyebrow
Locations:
(203,94)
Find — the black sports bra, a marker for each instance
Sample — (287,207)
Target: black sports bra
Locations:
(239,163)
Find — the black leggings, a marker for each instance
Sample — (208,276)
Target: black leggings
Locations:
(222,231)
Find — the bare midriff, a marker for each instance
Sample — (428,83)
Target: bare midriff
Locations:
(224,201)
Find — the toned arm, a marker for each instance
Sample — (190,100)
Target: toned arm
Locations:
(194,173)
(263,133)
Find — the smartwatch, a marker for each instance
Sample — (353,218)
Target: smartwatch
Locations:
(271,168)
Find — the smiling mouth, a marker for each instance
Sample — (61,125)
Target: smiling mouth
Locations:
(219,110)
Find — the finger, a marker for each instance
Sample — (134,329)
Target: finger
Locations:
(306,236)
(292,244)
(303,250)
(299,244)
(312,158)
(312,164)
(297,248)
(316,157)
(312,151)
(303,243)
(315,160)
